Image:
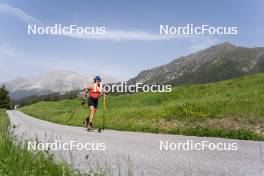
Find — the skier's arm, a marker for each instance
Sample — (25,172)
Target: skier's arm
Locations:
(84,93)
(84,96)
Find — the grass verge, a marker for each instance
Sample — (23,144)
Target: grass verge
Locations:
(16,160)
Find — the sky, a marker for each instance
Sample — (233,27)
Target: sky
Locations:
(132,42)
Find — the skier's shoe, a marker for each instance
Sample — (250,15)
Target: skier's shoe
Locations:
(90,126)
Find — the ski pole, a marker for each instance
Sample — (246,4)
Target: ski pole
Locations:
(104,108)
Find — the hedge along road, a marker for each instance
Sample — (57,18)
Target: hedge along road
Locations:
(133,153)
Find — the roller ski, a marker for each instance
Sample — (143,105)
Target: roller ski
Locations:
(89,126)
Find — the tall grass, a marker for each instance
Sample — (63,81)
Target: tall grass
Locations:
(16,160)
(231,109)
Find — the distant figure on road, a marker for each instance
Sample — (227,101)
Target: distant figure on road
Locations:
(95,90)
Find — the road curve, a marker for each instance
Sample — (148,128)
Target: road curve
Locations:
(133,153)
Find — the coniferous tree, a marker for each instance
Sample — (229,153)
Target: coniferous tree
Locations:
(4,98)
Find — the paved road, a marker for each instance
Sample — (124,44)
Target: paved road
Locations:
(132,153)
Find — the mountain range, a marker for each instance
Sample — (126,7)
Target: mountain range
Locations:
(216,63)
(54,81)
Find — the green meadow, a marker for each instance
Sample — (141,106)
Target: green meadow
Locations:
(228,109)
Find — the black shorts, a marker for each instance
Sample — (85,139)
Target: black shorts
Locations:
(92,102)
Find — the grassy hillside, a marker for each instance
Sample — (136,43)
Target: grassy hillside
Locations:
(17,160)
(219,62)
(235,63)
(232,109)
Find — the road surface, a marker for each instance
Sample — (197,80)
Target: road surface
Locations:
(133,153)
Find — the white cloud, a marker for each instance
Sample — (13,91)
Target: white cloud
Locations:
(20,14)
(120,35)
(114,35)
(18,60)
